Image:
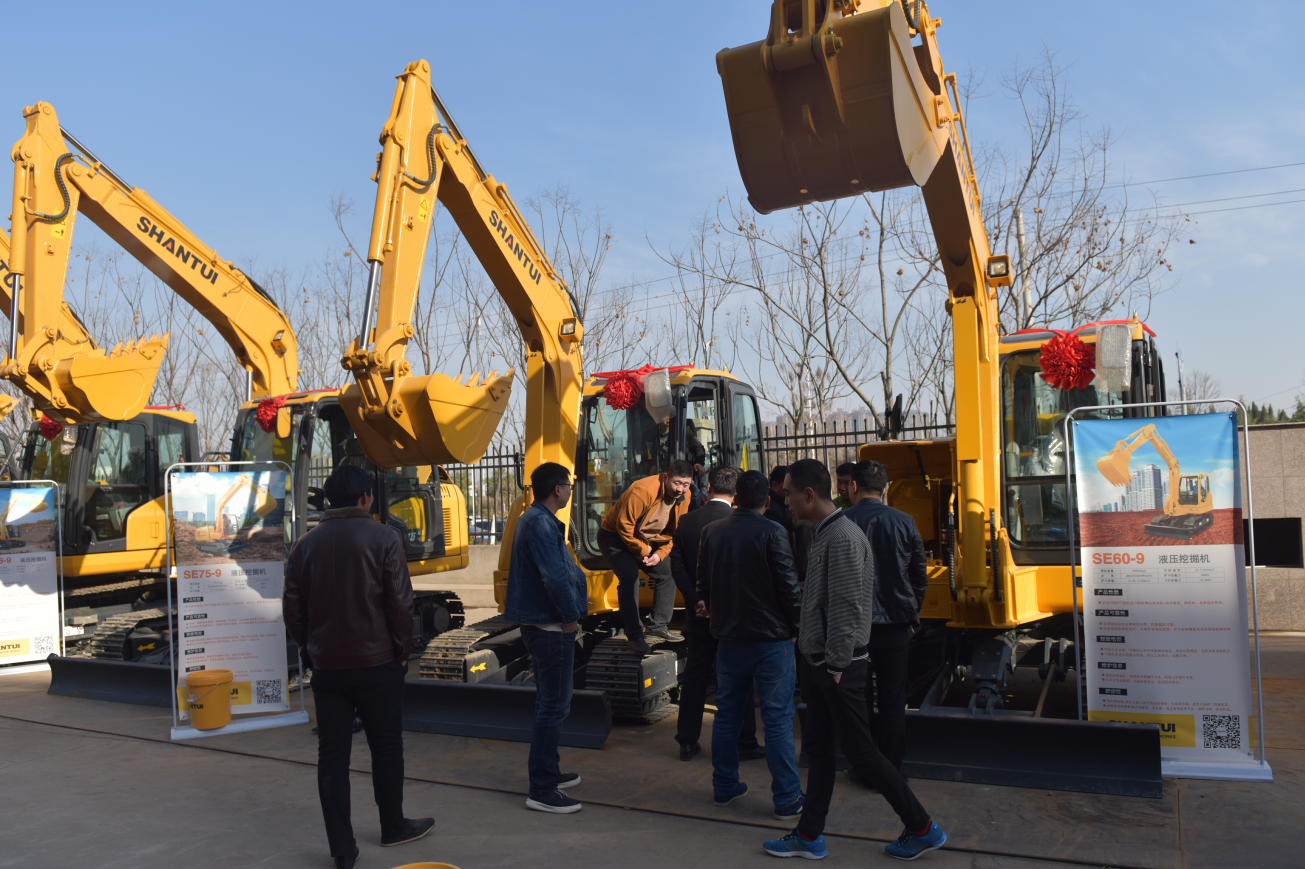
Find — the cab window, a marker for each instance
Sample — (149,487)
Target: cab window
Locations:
(116,479)
(747,436)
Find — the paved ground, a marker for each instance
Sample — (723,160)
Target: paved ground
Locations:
(99,784)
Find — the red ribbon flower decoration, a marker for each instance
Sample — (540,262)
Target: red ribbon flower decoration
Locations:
(623,390)
(266,413)
(49,428)
(1068,363)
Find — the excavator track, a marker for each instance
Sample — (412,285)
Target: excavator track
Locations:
(617,669)
(445,655)
(109,641)
(440,611)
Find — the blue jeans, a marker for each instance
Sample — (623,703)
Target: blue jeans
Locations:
(552,657)
(771,665)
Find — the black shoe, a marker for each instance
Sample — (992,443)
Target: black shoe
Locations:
(357,725)
(567,780)
(666,634)
(756,753)
(346,862)
(411,831)
(641,647)
(557,802)
(689,749)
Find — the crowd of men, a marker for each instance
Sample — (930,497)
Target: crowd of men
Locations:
(786,590)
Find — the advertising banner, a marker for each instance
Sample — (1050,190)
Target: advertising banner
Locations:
(29,577)
(1164,584)
(229,538)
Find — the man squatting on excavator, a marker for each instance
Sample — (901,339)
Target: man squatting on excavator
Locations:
(638,534)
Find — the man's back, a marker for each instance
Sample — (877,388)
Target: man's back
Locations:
(348,598)
(747,577)
(684,555)
(900,576)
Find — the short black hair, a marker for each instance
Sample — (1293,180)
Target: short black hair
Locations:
(679,468)
(810,474)
(845,469)
(547,477)
(723,480)
(777,475)
(753,490)
(870,476)
(346,485)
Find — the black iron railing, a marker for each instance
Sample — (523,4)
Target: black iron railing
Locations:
(835,442)
(490,487)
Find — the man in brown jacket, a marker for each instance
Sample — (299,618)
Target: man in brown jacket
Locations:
(637,534)
(348,606)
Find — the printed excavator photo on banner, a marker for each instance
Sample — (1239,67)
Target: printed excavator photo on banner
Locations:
(223,517)
(28,521)
(1158,481)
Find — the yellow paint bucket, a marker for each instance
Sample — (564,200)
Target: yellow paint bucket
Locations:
(209,696)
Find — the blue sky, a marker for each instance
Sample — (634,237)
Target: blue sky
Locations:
(243,120)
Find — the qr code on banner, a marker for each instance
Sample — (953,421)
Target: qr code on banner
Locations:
(1222,731)
(268,691)
(43,645)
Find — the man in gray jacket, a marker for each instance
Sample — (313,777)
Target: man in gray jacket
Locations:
(837,611)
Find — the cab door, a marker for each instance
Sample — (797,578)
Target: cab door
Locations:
(414,508)
(743,442)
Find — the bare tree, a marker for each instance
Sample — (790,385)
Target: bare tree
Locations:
(1198,385)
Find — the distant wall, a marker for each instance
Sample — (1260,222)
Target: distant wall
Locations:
(1278,475)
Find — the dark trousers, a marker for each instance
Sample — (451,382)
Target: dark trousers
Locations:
(698,669)
(374,694)
(627,567)
(887,704)
(552,657)
(839,709)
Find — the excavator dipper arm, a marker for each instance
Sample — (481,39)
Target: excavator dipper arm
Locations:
(406,420)
(80,383)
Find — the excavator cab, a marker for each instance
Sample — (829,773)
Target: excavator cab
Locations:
(714,423)
(313,436)
(1034,453)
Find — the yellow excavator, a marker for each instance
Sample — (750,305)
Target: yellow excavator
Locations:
(844,97)
(404,420)
(1188,506)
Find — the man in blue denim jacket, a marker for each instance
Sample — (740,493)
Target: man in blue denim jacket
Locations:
(547,595)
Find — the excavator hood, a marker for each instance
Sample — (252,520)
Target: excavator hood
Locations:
(832,105)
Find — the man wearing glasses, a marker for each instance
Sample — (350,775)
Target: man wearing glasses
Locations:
(547,595)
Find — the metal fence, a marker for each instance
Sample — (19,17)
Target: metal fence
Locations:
(836,442)
(490,486)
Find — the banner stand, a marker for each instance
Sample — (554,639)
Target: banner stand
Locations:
(1254,771)
(259,722)
(39,666)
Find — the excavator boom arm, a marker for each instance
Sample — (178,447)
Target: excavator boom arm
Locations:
(402,420)
(58,365)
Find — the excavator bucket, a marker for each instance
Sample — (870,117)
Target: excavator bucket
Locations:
(1114,466)
(115,386)
(829,106)
(430,420)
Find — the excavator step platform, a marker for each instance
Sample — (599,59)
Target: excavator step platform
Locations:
(639,686)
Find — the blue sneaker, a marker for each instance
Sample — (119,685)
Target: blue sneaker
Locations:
(724,798)
(792,811)
(793,845)
(908,847)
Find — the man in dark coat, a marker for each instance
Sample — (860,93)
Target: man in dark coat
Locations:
(348,606)
(701,660)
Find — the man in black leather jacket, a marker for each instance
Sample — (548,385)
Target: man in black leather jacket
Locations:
(748,587)
(701,661)
(899,593)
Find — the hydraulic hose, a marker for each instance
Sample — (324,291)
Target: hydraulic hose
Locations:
(63,191)
(430,156)
(912,19)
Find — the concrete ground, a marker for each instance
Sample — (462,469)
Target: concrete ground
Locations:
(99,784)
